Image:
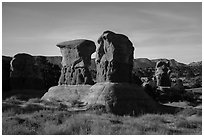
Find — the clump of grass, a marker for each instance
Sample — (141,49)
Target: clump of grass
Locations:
(189,124)
(14,100)
(189,112)
(72,126)
(9,112)
(14,126)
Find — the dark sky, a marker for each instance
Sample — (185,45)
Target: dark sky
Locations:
(157,30)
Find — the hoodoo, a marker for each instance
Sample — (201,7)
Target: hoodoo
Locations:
(76,58)
(114,89)
(114,58)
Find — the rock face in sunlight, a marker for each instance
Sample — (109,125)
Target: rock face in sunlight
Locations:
(76,59)
(162,74)
(66,93)
(114,58)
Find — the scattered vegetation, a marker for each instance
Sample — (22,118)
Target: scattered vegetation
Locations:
(44,121)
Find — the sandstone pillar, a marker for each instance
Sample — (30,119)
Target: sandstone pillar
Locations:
(162,73)
(76,58)
(114,58)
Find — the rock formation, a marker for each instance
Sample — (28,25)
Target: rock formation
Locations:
(162,74)
(6,73)
(24,74)
(76,58)
(114,90)
(66,93)
(33,72)
(178,85)
(49,69)
(120,98)
(114,58)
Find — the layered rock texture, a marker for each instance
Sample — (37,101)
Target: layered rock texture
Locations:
(114,61)
(76,59)
(117,98)
(66,93)
(114,58)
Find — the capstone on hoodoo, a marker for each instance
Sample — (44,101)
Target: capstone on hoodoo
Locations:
(76,59)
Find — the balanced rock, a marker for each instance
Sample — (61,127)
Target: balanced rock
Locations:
(76,58)
(114,58)
(162,74)
(120,98)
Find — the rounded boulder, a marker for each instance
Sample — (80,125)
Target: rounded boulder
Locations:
(121,98)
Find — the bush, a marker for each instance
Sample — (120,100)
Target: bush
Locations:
(189,124)
(74,125)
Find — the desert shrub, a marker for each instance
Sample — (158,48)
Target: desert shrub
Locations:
(189,112)
(14,100)
(14,126)
(194,82)
(197,82)
(106,127)
(97,109)
(31,123)
(23,108)
(188,124)
(78,124)
(8,113)
(96,121)
(189,96)
(54,116)
(9,107)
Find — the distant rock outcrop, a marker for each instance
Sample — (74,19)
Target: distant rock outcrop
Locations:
(114,58)
(199,63)
(24,74)
(33,72)
(162,74)
(172,62)
(76,58)
(143,63)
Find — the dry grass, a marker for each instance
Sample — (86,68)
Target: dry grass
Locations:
(56,122)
